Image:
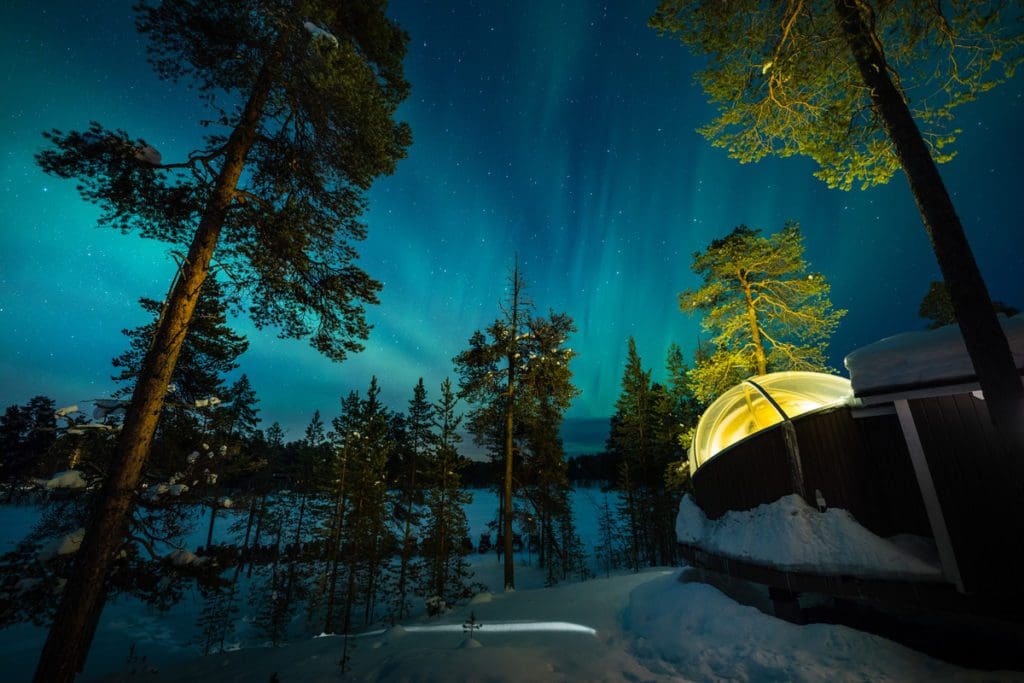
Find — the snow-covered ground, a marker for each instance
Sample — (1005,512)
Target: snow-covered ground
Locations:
(645,627)
(163,637)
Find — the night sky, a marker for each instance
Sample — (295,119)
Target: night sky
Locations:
(563,131)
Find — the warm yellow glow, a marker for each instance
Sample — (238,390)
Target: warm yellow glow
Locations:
(743,410)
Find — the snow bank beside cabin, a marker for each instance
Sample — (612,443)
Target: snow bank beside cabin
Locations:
(691,631)
(922,357)
(790,534)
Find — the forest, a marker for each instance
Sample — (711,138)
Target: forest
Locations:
(361,521)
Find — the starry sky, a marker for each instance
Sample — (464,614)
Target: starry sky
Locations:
(561,131)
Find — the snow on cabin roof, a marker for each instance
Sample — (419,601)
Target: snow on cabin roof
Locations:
(922,358)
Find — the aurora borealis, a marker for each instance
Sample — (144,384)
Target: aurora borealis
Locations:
(563,132)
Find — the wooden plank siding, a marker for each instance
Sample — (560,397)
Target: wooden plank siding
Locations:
(860,465)
(969,466)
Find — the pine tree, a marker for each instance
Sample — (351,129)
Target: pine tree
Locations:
(520,361)
(545,474)
(677,414)
(937,308)
(240,416)
(209,351)
(344,437)
(14,425)
(369,541)
(644,438)
(766,312)
(612,547)
(446,569)
(418,425)
(27,433)
(631,438)
(215,620)
(275,191)
(866,88)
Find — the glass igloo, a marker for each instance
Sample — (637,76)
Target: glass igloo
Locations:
(761,402)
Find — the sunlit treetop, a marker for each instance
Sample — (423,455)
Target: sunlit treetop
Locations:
(765,310)
(785,80)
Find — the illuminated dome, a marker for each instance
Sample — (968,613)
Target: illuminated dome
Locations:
(748,408)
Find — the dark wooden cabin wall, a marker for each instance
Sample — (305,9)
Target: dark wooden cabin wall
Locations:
(860,465)
(968,464)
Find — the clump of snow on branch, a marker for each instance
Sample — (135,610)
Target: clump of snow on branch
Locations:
(70,479)
(790,534)
(148,155)
(102,407)
(65,545)
(65,411)
(170,488)
(184,558)
(318,33)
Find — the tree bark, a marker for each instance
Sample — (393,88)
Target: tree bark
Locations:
(209,531)
(984,337)
(335,557)
(74,625)
(441,557)
(755,330)
(510,582)
(407,552)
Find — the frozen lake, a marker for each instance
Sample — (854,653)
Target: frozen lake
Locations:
(165,636)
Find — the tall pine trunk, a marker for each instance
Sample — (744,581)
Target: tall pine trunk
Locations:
(256,537)
(209,531)
(755,329)
(67,644)
(441,552)
(407,552)
(510,582)
(985,340)
(335,556)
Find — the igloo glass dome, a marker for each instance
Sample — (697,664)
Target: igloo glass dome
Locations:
(761,402)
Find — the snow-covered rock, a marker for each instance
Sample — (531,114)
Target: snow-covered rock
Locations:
(69,479)
(792,535)
(924,356)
